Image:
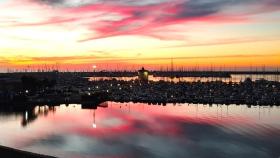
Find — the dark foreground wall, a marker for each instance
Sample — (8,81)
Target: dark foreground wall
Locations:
(6,152)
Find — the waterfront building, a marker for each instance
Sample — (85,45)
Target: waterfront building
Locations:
(143,74)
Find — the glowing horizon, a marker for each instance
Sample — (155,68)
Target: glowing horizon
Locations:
(125,34)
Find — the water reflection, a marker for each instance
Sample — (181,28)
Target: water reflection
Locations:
(94,123)
(30,115)
(234,78)
(141,130)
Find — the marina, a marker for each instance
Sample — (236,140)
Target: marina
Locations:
(139,79)
(72,88)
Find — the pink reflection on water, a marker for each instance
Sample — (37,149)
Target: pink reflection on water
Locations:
(234,78)
(116,121)
(126,119)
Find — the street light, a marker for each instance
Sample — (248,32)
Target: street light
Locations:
(94,68)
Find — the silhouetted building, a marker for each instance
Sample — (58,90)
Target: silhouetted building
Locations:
(143,75)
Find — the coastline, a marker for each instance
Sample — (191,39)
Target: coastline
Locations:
(7,152)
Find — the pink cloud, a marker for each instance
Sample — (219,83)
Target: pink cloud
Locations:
(109,19)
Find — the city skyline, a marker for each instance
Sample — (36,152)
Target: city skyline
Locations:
(127,34)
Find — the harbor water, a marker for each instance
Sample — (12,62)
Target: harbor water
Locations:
(125,130)
(233,78)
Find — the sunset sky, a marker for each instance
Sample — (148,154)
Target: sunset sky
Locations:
(128,34)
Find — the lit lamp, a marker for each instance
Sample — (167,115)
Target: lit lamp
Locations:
(94,67)
(146,74)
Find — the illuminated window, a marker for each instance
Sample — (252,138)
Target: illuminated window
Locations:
(146,73)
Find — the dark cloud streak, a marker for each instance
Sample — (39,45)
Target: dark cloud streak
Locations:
(141,18)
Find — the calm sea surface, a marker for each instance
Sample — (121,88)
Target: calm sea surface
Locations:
(129,130)
(234,78)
